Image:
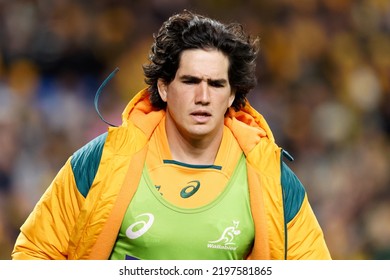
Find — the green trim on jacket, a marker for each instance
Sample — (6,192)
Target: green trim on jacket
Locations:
(85,163)
(293,194)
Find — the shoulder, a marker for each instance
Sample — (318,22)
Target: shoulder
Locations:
(118,142)
(269,161)
(293,192)
(85,162)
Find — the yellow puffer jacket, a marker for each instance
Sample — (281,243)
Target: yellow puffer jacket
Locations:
(80,214)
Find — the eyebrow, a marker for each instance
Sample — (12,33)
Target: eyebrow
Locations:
(198,80)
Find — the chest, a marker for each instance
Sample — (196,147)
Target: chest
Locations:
(155,228)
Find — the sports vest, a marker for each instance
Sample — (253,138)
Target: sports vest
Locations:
(154,228)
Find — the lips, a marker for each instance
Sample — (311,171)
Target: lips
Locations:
(201,116)
(201,113)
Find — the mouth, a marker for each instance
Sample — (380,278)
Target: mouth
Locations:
(201,116)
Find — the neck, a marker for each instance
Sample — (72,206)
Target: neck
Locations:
(194,151)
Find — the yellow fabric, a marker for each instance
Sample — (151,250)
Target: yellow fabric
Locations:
(65,225)
(30,244)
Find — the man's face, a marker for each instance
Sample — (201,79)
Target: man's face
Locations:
(199,95)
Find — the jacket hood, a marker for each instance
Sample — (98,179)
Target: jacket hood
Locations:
(247,125)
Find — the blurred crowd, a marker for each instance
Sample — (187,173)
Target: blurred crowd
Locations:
(324,88)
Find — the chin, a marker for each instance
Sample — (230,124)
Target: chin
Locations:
(200,133)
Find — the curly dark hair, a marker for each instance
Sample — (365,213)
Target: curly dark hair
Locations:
(188,30)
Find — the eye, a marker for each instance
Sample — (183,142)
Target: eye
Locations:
(189,82)
(216,84)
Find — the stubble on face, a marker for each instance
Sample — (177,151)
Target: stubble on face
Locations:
(197,98)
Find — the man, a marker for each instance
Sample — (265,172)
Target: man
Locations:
(193,172)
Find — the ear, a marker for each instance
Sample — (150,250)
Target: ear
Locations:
(162,89)
(232,97)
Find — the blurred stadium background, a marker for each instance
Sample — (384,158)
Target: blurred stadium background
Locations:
(324,87)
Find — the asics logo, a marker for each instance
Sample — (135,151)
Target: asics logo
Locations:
(190,189)
(145,226)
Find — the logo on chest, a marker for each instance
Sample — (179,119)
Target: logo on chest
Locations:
(140,227)
(191,188)
(227,239)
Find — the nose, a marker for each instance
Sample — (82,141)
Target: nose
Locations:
(202,95)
